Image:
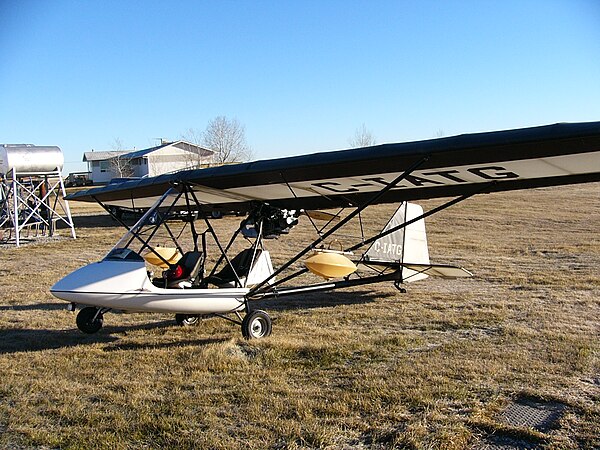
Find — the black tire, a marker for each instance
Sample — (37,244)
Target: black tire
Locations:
(186,320)
(116,211)
(257,324)
(86,322)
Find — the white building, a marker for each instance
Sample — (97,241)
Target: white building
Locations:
(165,158)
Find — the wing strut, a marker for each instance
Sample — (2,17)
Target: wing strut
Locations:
(341,223)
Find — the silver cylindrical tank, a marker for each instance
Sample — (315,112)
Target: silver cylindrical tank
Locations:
(30,159)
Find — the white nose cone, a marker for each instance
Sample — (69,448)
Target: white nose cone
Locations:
(101,278)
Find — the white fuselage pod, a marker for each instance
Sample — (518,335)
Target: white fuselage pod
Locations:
(124,285)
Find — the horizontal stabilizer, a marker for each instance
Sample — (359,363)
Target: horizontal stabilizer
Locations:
(440,270)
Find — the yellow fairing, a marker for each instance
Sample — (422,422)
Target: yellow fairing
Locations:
(330,265)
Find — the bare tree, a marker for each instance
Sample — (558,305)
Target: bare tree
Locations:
(196,160)
(120,165)
(227,138)
(193,135)
(362,137)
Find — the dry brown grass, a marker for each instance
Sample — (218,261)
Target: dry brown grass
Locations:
(364,368)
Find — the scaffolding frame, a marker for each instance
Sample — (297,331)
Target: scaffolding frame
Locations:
(34,202)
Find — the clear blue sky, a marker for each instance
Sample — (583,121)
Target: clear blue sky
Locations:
(301,76)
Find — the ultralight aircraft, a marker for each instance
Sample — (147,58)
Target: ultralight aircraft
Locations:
(172,260)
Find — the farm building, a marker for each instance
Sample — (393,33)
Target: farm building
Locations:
(164,158)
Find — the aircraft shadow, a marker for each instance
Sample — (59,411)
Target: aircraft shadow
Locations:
(31,340)
(164,345)
(34,307)
(97,221)
(26,340)
(319,300)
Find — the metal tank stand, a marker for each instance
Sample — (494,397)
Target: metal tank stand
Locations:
(32,204)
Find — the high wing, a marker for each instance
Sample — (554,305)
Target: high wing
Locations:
(564,153)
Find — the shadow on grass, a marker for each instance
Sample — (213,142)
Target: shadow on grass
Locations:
(163,345)
(34,307)
(98,221)
(320,300)
(29,340)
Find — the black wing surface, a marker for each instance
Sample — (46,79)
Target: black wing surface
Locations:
(558,154)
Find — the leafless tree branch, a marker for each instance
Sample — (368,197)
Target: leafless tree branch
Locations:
(362,137)
(120,165)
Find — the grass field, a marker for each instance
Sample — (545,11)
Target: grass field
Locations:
(366,368)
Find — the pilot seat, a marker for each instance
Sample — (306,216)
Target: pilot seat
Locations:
(185,273)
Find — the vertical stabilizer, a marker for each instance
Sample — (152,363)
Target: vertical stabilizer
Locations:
(407,245)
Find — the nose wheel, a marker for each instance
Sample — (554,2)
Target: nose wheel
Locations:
(257,324)
(186,320)
(89,320)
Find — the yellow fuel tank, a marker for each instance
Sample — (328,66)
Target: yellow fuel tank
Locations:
(330,265)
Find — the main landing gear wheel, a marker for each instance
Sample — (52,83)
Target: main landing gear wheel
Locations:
(257,324)
(185,320)
(89,320)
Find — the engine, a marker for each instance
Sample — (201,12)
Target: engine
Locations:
(274,221)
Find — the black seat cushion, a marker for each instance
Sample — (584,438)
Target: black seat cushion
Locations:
(241,262)
(186,268)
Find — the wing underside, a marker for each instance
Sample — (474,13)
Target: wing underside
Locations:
(494,161)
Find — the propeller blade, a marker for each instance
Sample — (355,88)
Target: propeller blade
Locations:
(322,215)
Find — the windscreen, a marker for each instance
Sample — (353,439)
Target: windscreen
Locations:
(147,230)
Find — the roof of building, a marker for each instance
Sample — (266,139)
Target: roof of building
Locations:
(181,145)
(101,156)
